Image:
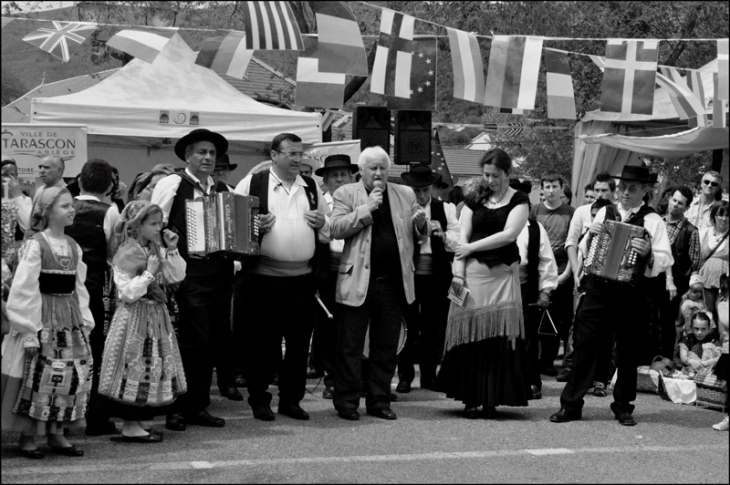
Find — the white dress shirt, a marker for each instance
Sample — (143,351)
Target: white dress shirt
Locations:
(547,267)
(24,204)
(451,241)
(579,225)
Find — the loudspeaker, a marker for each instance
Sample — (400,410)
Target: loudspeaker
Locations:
(412,137)
(371,125)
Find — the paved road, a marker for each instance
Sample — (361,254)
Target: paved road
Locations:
(429,442)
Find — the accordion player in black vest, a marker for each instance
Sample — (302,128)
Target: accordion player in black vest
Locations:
(618,306)
(432,258)
(204,297)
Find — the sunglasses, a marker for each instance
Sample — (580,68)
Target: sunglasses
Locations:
(710,182)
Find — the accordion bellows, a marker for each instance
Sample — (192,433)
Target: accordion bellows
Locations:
(610,255)
(223,223)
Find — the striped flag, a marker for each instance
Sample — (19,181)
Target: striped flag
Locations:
(61,39)
(341,49)
(696,82)
(512,129)
(392,68)
(466,59)
(719,110)
(723,68)
(317,89)
(516,112)
(629,76)
(271,26)
(142,44)
(226,54)
(599,61)
(438,162)
(560,95)
(514,63)
(423,78)
(688,106)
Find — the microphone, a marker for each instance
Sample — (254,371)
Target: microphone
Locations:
(378,184)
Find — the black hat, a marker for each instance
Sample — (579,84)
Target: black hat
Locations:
(420,176)
(635,173)
(201,134)
(516,184)
(336,161)
(224,161)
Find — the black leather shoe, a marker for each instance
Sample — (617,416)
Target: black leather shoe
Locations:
(625,419)
(175,422)
(348,414)
(565,416)
(403,387)
(67,450)
(328,393)
(383,413)
(240,381)
(536,392)
(105,427)
(563,376)
(231,392)
(293,411)
(34,454)
(263,412)
(204,418)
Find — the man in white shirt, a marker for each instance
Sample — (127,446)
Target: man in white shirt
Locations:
(204,297)
(281,285)
(337,171)
(426,317)
(698,212)
(50,171)
(623,308)
(15,195)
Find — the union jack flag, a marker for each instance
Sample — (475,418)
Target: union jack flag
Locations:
(60,39)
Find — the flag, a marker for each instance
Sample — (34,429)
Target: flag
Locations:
(6,21)
(599,61)
(466,59)
(341,49)
(688,106)
(517,112)
(317,89)
(271,26)
(629,76)
(142,44)
(722,68)
(438,163)
(512,129)
(696,82)
(560,95)
(226,54)
(514,63)
(489,127)
(719,119)
(422,78)
(60,39)
(672,73)
(392,68)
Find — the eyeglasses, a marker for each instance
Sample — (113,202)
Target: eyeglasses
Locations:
(710,182)
(293,155)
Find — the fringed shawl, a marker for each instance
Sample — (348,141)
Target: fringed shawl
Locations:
(132,258)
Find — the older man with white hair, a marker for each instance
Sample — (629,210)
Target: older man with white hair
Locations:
(379,222)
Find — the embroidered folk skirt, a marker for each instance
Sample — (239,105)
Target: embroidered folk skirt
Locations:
(50,391)
(484,363)
(141,365)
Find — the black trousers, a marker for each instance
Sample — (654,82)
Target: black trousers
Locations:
(561,310)
(324,339)
(668,310)
(532,348)
(276,307)
(608,307)
(98,412)
(382,310)
(426,323)
(204,332)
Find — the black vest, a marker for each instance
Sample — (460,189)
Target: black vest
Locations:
(441,258)
(260,188)
(682,267)
(533,261)
(88,231)
(198,267)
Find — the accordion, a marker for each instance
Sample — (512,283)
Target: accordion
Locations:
(222,223)
(610,255)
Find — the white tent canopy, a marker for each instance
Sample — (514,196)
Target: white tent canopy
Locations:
(131,102)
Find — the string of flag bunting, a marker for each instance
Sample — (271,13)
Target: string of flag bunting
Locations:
(405,68)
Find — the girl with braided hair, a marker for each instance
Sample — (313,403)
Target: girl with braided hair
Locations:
(46,358)
(141,370)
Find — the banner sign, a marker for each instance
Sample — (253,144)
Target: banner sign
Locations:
(27,143)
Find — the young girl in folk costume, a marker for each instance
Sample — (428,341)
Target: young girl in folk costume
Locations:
(141,368)
(46,359)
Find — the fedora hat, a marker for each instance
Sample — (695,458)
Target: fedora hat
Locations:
(224,161)
(201,134)
(336,161)
(516,184)
(633,173)
(420,176)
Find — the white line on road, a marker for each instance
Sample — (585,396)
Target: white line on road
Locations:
(323,460)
